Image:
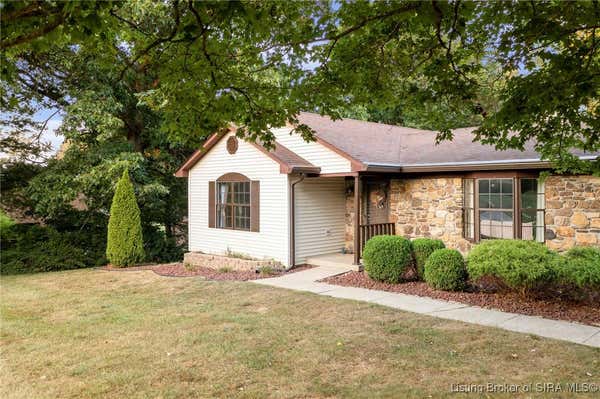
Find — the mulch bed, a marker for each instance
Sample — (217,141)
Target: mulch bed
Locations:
(179,270)
(507,302)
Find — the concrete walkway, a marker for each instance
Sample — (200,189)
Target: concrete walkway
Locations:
(562,330)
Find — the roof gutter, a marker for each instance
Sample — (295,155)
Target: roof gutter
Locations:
(466,166)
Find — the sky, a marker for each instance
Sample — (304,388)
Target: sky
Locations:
(53,124)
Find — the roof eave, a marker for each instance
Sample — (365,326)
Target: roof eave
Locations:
(305,169)
(476,166)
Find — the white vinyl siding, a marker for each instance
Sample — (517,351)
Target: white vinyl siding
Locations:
(320,217)
(272,241)
(315,153)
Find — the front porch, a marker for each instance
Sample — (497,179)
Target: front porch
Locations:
(337,259)
(328,230)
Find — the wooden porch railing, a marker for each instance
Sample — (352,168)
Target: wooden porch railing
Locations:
(371,230)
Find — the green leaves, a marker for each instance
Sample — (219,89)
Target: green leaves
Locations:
(124,246)
(521,70)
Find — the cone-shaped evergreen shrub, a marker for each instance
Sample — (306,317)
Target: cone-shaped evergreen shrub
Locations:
(124,246)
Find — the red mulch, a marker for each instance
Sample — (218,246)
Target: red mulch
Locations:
(507,302)
(179,270)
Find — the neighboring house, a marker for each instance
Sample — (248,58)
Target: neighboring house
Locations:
(298,201)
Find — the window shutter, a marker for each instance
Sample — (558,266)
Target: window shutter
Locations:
(254,205)
(211,204)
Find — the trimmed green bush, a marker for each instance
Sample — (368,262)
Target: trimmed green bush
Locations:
(422,248)
(445,270)
(519,265)
(124,244)
(30,248)
(578,273)
(386,258)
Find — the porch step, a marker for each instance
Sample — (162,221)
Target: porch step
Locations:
(340,260)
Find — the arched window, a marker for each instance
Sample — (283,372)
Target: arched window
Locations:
(234,203)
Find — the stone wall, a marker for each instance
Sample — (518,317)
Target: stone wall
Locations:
(229,262)
(572,211)
(429,207)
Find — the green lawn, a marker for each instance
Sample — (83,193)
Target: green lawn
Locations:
(91,333)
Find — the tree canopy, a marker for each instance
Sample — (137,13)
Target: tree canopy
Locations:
(519,70)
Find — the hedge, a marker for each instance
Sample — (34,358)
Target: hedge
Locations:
(386,258)
(524,266)
(29,248)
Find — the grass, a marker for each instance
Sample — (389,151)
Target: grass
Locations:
(96,334)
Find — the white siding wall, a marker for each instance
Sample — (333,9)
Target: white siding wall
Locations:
(272,241)
(320,212)
(313,152)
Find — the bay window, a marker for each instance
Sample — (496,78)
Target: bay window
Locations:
(503,207)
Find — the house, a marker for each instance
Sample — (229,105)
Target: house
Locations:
(297,202)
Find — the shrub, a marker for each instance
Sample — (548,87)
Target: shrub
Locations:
(422,248)
(29,248)
(578,274)
(386,258)
(445,270)
(124,245)
(5,221)
(524,266)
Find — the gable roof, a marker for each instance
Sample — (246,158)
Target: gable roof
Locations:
(289,162)
(377,145)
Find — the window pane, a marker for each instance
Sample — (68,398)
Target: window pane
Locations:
(468,193)
(242,217)
(529,194)
(496,224)
(507,186)
(529,201)
(532,225)
(494,186)
(528,220)
(224,216)
(528,186)
(484,201)
(507,201)
(495,201)
(469,224)
(484,186)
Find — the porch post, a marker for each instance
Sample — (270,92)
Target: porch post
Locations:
(357,193)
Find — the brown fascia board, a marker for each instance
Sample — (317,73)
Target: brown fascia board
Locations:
(198,154)
(476,166)
(355,164)
(284,167)
(457,167)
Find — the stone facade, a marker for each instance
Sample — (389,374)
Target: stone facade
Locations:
(221,261)
(572,211)
(429,207)
(432,207)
